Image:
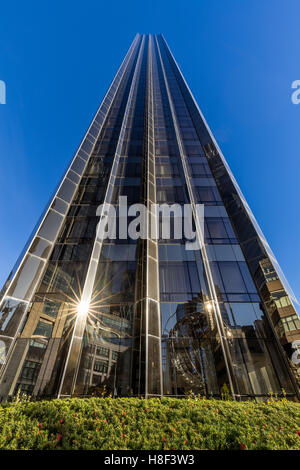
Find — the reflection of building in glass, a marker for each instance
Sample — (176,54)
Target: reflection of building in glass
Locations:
(189,352)
(106,351)
(79,316)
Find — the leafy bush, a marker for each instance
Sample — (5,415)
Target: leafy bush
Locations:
(133,423)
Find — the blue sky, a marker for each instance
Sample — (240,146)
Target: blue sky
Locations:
(238,57)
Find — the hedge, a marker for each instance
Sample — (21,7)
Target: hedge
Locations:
(133,423)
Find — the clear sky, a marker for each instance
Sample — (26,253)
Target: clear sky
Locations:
(239,57)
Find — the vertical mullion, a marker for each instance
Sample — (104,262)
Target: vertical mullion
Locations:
(151,165)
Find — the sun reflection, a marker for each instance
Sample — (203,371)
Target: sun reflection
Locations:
(83,308)
(75,307)
(208,306)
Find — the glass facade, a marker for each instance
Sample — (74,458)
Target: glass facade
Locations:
(160,319)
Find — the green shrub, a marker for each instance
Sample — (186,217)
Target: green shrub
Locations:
(225,393)
(132,423)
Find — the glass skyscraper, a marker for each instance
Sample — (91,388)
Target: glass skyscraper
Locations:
(83,316)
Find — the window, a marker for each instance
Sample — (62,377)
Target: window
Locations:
(168,313)
(64,276)
(192,148)
(37,344)
(268,270)
(101,366)
(115,355)
(175,252)
(132,193)
(165,148)
(89,194)
(87,363)
(100,351)
(25,280)
(206,194)
(244,314)
(132,148)
(24,388)
(280,299)
(179,278)
(291,323)
(51,308)
(215,228)
(44,328)
(170,195)
(167,169)
(199,170)
(96,379)
(11,312)
(30,370)
(66,193)
(188,134)
(127,169)
(115,280)
(97,167)
(232,277)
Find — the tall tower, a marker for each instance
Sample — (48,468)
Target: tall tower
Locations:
(145,315)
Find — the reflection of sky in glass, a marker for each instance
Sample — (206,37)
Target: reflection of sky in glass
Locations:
(168,316)
(244,314)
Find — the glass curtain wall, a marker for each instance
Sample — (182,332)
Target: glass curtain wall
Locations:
(40,351)
(256,364)
(161,319)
